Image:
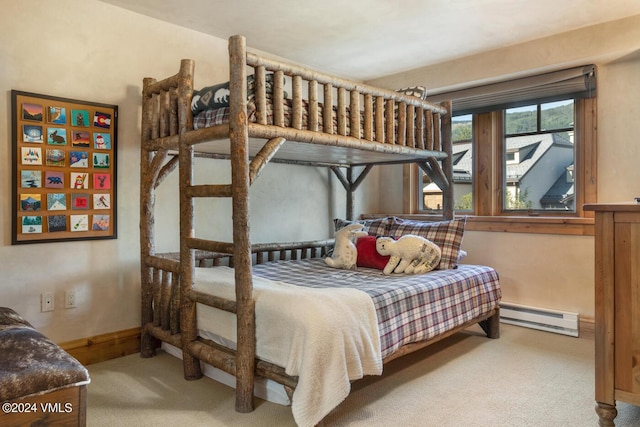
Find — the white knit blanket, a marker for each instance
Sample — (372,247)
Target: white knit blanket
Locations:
(326,337)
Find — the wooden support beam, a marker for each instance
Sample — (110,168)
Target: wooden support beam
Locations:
(166,169)
(350,185)
(263,157)
(444,127)
(435,174)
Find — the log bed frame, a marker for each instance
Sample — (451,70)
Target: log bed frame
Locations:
(421,134)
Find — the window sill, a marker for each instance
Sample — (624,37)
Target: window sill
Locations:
(515,224)
(537,225)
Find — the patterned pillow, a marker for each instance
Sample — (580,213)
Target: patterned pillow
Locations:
(217,96)
(417,91)
(375,227)
(368,256)
(446,234)
(210,98)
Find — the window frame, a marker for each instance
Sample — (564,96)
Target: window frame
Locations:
(488,158)
(538,131)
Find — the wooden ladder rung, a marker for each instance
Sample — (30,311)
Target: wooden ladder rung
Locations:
(222,190)
(210,245)
(213,301)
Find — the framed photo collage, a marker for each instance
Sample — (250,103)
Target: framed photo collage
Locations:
(64,169)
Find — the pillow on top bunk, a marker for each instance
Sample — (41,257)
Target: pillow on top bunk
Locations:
(375,227)
(217,96)
(417,91)
(446,234)
(210,97)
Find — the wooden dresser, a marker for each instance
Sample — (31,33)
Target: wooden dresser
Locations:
(617,307)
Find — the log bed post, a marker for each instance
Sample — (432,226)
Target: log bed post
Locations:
(350,185)
(239,140)
(448,201)
(350,190)
(188,322)
(147,237)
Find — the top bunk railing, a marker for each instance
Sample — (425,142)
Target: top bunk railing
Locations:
(165,107)
(361,111)
(300,104)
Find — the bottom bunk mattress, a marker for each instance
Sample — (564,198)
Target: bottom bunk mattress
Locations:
(330,326)
(409,308)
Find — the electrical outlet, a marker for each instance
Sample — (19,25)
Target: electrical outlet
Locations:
(70,299)
(46,301)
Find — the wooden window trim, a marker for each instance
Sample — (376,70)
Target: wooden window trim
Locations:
(512,224)
(488,171)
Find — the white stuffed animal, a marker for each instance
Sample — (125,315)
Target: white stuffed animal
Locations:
(345,253)
(409,254)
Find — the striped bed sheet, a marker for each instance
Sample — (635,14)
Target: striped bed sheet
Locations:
(410,308)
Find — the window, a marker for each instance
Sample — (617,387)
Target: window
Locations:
(521,164)
(539,152)
(461,133)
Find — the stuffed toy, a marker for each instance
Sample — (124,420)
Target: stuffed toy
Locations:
(345,254)
(368,256)
(409,254)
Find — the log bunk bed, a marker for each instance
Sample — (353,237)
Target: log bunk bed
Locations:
(347,127)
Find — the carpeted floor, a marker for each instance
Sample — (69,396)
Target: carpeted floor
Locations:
(525,378)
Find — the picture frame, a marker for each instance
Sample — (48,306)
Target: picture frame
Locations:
(64,169)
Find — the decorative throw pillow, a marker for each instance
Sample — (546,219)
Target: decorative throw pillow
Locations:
(368,256)
(210,98)
(417,91)
(446,234)
(375,227)
(217,96)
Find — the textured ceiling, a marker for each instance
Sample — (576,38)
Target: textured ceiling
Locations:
(365,39)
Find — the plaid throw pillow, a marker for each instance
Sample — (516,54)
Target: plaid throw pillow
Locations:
(446,234)
(375,227)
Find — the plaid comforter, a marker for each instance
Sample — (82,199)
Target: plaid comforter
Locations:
(410,308)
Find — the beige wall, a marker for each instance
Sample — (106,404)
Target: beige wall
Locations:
(89,50)
(547,270)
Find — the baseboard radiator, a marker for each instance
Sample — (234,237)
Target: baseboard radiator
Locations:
(537,318)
